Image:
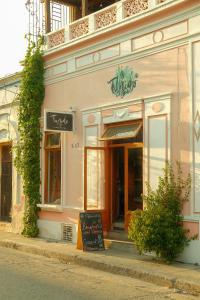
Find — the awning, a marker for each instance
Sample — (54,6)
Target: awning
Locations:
(121,132)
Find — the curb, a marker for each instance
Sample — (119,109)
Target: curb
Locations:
(148,276)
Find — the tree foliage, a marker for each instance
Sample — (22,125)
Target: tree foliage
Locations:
(27,161)
(159,227)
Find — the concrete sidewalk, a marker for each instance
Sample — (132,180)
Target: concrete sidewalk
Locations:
(181,276)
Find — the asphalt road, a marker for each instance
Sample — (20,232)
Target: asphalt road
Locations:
(25,277)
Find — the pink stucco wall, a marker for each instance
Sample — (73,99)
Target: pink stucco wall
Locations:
(164,72)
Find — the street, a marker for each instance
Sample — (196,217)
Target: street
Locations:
(25,277)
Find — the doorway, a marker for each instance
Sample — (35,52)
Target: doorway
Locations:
(117,186)
(113,174)
(126,182)
(6,183)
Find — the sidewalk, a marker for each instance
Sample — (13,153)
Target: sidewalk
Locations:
(178,275)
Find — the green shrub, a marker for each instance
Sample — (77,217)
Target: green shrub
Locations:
(27,150)
(159,227)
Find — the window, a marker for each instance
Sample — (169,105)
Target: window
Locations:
(52,169)
(121,132)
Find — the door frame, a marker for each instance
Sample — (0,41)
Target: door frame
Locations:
(106,211)
(108,208)
(126,147)
(127,212)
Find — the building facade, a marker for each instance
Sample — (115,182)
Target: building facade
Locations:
(11,198)
(130,76)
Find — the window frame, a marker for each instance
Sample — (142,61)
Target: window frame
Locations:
(47,150)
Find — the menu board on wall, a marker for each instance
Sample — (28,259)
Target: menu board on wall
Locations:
(92,231)
(58,121)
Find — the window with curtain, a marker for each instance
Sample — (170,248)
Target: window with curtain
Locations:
(52,169)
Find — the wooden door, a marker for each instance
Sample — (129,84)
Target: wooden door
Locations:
(96,182)
(6,183)
(117,184)
(133,180)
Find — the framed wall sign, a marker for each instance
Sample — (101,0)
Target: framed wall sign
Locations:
(58,121)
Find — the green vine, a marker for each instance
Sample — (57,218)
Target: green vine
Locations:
(27,161)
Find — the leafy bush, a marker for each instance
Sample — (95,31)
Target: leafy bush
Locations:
(27,150)
(159,227)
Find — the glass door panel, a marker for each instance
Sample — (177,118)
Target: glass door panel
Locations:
(95,178)
(135,178)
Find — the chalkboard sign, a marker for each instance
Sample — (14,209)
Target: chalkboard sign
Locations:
(58,121)
(92,231)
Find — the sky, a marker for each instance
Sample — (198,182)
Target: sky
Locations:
(13,27)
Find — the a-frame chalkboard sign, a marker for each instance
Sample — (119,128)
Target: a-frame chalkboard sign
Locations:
(92,231)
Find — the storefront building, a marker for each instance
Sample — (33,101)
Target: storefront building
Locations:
(129,74)
(11,199)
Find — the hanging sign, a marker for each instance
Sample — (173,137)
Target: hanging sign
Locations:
(58,121)
(92,231)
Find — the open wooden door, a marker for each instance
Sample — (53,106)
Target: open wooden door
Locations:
(96,183)
(133,179)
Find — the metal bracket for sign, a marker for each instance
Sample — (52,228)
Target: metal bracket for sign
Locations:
(58,121)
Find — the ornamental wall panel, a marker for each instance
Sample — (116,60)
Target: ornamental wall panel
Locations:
(161,35)
(196,124)
(156,139)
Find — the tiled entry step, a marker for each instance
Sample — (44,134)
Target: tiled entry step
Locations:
(118,240)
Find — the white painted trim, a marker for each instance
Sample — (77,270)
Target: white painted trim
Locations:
(143,30)
(158,8)
(119,60)
(191,138)
(51,207)
(43,205)
(192,218)
(122,103)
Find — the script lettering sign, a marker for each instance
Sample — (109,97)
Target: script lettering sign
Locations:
(57,121)
(92,231)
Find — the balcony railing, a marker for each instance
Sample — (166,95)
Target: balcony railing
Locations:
(104,18)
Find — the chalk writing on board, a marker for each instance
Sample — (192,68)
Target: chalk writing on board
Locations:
(92,231)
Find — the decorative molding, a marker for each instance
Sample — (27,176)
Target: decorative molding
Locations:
(158,36)
(125,55)
(56,38)
(197,126)
(135,108)
(121,19)
(3,134)
(195,49)
(107,113)
(98,56)
(132,7)
(4,118)
(157,137)
(59,69)
(91,119)
(161,35)
(121,115)
(158,107)
(79,28)
(106,18)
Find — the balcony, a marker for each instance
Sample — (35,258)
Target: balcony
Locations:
(105,19)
